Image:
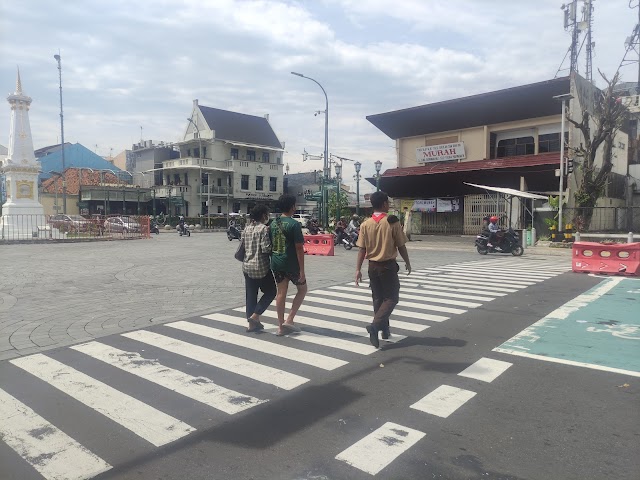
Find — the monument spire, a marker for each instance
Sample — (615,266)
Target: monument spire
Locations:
(18,83)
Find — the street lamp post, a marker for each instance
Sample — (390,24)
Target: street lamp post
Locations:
(562,98)
(358,166)
(55,188)
(138,193)
(64,181)
(325,171)
(338,168)
(153,188)
(378,165)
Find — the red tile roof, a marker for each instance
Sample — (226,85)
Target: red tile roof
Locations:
(552,158)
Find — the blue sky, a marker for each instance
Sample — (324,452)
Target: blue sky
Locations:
(131,64)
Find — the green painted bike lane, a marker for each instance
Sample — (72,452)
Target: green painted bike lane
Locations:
(599,329)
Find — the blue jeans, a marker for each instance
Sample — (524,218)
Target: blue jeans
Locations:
(252,285)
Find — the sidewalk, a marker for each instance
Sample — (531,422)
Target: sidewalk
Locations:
(462,243)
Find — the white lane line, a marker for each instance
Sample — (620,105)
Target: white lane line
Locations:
(151,424)
(357,317)
(491,277)
(240,366)
(277,350)
(308,337)
(443,401)
(425,296)
(334,326)
(356,306)
(501,272)
(367,299)
(453,287)
(485,369)
(381,447)
(50,451)
(482,279)
(475,285)
(200,389)
(445,292)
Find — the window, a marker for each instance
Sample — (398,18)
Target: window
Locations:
(551,142)
(204,152)
(251,155)
(188,152)
(234,153)
(219,209)
(259,183)
(176,178)
(186,179)
(516,146)
(219,182)
(265,157)
(236,207)
(244,182)
(196,152)
(273,184)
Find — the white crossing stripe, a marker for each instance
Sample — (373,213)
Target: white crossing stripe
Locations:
(445,291)
(425,297)
(401,313)
(481,276)
(363,298)
(482,279)
(156,427)
(357,317)
(308,337)
(485,369)
(381,447)
(501,272)
(200,389)
(443,401)
(50,451)
(335,326)
(252,343)
(240,366)
(446,286)
(473,285)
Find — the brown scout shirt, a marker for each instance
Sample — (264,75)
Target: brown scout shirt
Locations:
(381,239)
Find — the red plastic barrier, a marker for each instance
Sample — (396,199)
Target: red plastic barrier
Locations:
(606,259)
(319,245)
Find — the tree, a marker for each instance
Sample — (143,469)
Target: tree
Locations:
(608,117)
(344,204)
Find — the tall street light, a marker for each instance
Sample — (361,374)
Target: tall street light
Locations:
(358,166)
(325,176)
(338,168)
(200,155)
(562,98)
(64,181)
(378,165)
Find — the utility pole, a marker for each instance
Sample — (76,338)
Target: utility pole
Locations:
(64,178)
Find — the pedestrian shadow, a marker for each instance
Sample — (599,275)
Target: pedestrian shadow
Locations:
(425,342)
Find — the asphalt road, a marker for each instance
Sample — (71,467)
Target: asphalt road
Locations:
(200,399)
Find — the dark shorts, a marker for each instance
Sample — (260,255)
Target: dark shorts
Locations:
(293,276)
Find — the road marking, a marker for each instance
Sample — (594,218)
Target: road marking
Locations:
(334,326)
(446,291)
(485,369)
(200,389)
(308,337)
(367,299)
(277,350)
(526,275)
(151,424)
(50,451)
(481,279)
(503,270)
(381,447)
(401,313)
(477,286)
(240,366)
(425,297)
(444,400)
(357,317)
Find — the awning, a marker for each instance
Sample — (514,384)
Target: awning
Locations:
(251,145)
(510,191)
(189,167)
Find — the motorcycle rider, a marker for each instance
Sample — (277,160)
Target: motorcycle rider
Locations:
(493,228)
(340,226)
(353,227)
(181,225)
(314,226)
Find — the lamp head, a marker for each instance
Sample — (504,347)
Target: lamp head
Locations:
(57,57)
(378,165)
(358,166)
(297,74)
(338,169)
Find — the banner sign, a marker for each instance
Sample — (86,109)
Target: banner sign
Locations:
(428,205)
(448,205)
(441,153)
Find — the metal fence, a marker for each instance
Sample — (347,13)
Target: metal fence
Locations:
(604,219)
(72,228)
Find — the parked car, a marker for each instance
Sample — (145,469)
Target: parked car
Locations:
(121,225)
(69,223)
(303,218)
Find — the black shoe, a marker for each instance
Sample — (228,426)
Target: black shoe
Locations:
(386,334)
(373,336)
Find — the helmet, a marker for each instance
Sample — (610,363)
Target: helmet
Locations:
(493,219)
(355,217)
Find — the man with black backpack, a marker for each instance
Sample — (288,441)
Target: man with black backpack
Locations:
(287,262)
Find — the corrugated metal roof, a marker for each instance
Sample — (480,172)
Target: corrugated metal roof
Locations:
(240,127)
(75,156)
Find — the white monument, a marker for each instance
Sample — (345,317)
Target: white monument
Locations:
(22,214)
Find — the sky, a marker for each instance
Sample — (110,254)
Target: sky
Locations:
(127,65)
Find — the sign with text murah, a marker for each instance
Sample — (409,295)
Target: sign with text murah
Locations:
(440,153)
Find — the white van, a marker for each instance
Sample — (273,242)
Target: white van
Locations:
(303,218)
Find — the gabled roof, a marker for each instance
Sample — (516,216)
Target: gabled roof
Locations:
(240,127)
(75,156)
(508,105)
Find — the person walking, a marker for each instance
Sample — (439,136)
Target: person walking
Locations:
(287,262)
(381,239)
(256,267)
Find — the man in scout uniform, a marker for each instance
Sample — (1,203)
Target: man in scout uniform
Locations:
(381,239)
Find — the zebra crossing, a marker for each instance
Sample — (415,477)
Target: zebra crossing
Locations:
(211,362)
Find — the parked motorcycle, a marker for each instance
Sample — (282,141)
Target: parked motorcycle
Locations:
(508,242)
(233,233)
(344,239)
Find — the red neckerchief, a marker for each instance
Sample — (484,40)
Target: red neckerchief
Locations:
(378,216)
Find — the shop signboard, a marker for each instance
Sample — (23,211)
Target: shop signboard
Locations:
(428,205)
(441,153)
(448,205)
